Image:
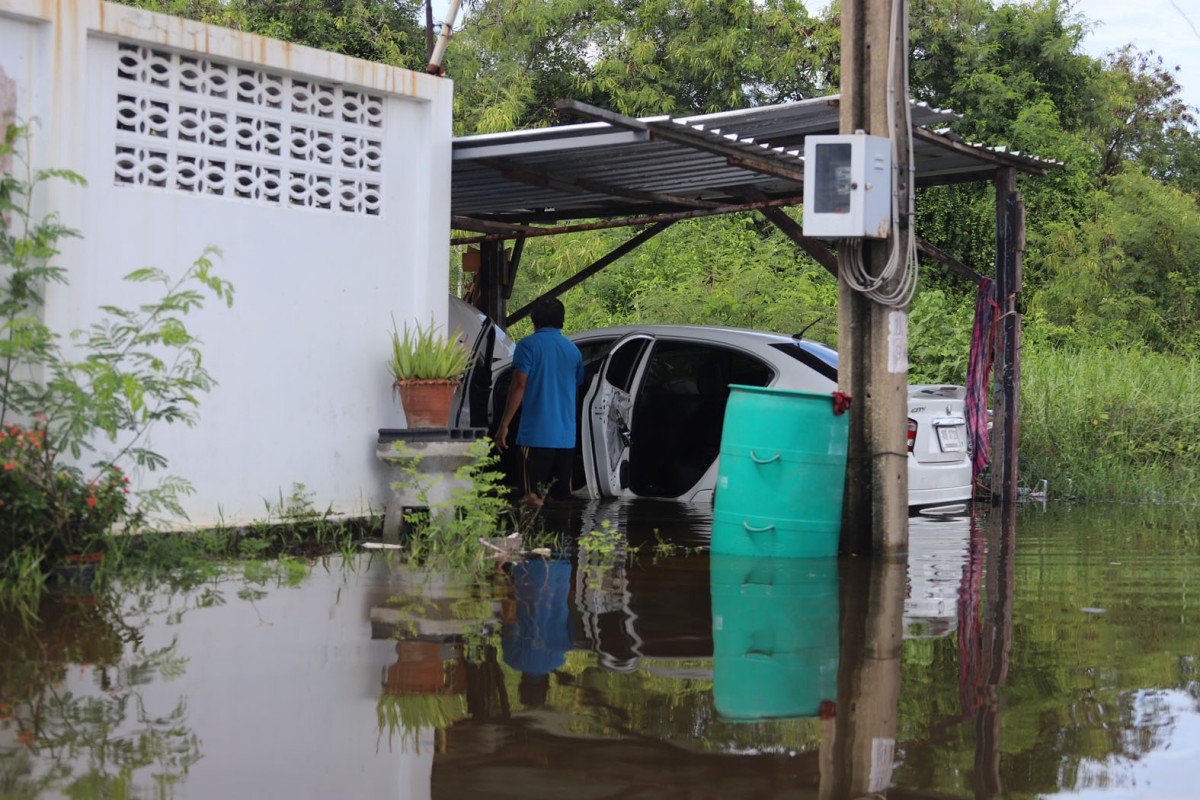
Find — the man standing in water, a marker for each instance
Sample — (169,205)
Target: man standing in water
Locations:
(547,372)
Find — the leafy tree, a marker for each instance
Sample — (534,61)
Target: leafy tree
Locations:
(386,31)
(1128,275)
(1176,161)
(514,58)
(989,62)
(1145,112)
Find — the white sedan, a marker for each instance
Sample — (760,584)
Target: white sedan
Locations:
(654,404)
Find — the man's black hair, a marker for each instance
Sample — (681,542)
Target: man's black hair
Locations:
(548,312)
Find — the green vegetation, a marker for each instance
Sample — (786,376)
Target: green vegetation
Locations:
(90,395)
(424,354)
(388,32)
(1125,420)
(1112,263)
(1113,257)
(475,509)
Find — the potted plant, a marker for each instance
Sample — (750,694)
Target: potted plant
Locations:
(427,369)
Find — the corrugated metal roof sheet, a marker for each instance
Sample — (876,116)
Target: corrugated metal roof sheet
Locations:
(600,169)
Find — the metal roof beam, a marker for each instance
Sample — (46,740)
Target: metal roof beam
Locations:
(587,272)
(819,251)
(983,154)
(546,179)
(473,151)
(460,223)
(751,156)
(630,221)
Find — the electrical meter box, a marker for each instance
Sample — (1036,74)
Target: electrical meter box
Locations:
(847,186)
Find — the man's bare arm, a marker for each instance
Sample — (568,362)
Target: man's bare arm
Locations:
(516,392)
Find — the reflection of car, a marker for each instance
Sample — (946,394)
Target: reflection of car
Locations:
(654,400)
(939,577)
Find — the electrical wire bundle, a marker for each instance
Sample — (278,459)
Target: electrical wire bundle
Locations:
(900,271)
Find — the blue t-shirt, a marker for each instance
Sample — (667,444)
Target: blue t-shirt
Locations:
(553,367)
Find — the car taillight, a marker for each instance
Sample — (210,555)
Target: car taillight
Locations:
(912,433)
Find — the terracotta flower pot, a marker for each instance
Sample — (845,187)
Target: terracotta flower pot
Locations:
(427,403)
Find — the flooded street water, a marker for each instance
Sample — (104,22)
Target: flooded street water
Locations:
(1059,661)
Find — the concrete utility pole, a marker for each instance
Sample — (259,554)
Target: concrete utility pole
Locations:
(873,338)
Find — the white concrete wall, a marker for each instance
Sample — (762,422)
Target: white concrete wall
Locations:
(300,358)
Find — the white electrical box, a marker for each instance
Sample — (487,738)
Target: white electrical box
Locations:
(847,186)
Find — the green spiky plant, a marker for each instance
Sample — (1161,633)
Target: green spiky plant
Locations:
(420,353)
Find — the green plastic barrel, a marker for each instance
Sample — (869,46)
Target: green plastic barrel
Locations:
(775,636)
(780,474)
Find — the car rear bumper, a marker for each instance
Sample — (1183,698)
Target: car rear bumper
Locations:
(939,488)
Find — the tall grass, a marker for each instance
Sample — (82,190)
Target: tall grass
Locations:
(1111,425)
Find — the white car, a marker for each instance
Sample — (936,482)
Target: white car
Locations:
(654,400)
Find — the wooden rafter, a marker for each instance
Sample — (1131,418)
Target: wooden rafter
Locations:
(956,266)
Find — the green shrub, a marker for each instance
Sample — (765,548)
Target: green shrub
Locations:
(127,372)
(43,500)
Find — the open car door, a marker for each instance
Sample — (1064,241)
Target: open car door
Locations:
(607,416)
(487,344)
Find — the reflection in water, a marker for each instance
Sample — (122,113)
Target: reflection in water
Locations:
(938,549)
(73,717)
(1057,661)
(430,617)
(775,636)
(864,747)
(536,642)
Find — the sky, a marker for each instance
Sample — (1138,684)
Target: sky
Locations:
(1171,28)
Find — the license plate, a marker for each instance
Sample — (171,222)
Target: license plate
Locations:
(950,439)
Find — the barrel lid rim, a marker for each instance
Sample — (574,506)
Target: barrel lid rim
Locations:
(780,391)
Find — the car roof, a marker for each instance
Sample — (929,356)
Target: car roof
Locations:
(742,336)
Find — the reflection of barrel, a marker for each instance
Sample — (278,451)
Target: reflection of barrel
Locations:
(780,474)
(775,636)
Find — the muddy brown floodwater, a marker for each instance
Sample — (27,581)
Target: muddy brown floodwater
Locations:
(1056,660)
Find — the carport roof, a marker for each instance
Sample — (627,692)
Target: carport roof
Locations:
(619,166)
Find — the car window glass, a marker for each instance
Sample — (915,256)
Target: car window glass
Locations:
(623,363)
(594,349)
(822,359)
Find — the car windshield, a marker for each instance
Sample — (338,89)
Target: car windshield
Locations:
(819,357)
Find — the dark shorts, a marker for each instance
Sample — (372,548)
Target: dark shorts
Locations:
(548,471)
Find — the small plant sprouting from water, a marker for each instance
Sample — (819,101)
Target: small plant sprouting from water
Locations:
(603,542)
(450,531)
(663,548)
